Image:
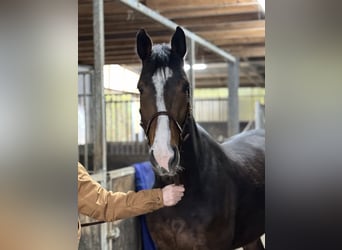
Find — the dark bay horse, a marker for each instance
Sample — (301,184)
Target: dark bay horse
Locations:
(224,202)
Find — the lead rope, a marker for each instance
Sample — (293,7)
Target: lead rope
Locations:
(92,223)
(176,180)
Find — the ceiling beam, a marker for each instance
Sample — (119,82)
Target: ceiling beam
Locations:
(134,4)
(214,11)
(166,5)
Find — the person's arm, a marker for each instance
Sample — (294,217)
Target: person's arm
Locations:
(98,203)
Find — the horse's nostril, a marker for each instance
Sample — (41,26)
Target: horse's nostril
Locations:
(153,159)
(165,164)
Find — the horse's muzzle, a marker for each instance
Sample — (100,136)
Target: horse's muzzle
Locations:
(173,164)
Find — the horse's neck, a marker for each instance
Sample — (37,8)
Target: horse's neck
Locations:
(198,151)
(192,152)
(193,144)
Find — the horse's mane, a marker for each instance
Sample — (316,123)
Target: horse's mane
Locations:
(161,55)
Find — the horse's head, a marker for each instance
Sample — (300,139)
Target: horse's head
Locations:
(164,99)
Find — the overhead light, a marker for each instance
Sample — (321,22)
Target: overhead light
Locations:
(197,66)
(200,66)
(262,4)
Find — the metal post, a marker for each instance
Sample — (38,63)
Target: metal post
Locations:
(191,70)
(233,98)
(259,116)
(84,82)
(100,160)
(100,145)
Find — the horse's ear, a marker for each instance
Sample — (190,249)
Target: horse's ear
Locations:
(178,43)
(144,45)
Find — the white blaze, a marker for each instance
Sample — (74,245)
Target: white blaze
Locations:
(161,145)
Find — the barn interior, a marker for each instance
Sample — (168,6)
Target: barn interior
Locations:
(225,63)
(222,29)
(237,27)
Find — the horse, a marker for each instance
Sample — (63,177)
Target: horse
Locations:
(224,201)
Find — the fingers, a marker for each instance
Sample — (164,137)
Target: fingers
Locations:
(172,194)
(179,188)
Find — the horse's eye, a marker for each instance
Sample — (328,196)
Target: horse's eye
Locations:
(140,90)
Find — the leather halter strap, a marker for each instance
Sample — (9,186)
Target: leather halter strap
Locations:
(155,115)
(179,127)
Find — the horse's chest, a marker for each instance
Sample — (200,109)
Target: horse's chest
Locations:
(176,234)
(186,230)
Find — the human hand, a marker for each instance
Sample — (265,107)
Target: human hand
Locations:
(172,194)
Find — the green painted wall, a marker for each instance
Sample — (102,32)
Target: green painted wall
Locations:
(247,99)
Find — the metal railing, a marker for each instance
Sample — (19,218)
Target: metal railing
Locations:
(85,111)
(123,118)
(124,135)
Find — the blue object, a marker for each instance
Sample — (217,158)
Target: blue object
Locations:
(144,179)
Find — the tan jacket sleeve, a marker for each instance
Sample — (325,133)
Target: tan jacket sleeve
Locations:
(98,203)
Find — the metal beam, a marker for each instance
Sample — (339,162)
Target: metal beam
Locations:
(233,98)
(134,4)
